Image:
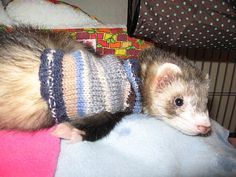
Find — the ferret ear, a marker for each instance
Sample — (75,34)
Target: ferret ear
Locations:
(166,74)
(207,77)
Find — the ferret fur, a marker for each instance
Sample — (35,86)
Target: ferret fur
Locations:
(164,76)
(21,104)
(167,77)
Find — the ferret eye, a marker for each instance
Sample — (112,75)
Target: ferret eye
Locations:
(179,102)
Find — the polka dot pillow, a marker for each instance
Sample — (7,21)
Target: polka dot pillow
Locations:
(188,23)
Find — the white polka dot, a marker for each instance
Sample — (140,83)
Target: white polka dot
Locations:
(157,5)
(145,13)
(233,26)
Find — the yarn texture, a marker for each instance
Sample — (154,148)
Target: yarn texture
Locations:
(79,84)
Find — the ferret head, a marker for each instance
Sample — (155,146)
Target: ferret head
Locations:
(175,91)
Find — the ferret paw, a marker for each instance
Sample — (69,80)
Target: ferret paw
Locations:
(68,132)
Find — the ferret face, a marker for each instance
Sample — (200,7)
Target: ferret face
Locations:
(180,105)
(177,93)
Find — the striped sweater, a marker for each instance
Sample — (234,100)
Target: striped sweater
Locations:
(79,84)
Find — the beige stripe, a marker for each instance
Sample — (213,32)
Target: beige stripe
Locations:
(69,86)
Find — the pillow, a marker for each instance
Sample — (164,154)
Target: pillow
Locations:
(200,24)
(143,146)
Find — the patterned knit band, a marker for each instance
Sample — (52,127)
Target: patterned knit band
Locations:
(50,75)
(79,84)
(132,69)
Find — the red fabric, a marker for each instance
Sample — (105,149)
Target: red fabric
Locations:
(25,154)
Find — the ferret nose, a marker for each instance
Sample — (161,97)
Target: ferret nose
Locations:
(203,129)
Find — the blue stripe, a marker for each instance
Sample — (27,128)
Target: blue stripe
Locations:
(50,75)
(80,76)
(57,86)
(131,67)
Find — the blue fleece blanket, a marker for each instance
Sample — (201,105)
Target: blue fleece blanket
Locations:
(141,146)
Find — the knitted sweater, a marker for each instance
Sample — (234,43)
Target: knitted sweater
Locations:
(80,84)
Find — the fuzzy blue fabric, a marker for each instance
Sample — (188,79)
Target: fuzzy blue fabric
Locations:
(141,146)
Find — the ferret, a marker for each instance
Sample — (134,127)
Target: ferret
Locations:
(38,87)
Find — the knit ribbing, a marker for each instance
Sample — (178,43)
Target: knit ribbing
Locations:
(80,84)
(50,75)
(132,68)
(69,86)
(94,95)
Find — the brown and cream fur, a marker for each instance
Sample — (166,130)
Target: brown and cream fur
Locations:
(167,77)
(164,76)
(21,104)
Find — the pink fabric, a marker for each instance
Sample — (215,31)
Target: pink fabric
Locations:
(25,154)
